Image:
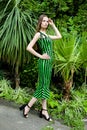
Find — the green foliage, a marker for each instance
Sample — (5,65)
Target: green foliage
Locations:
(5,89)
(52,98)
(79,77)
(48,128)
(17,22)
(67,56)
(29,74)
(2,74)
(72,112)
(17,27)
(80,18)
(16,31)
(19,95)
(83,54)
(53,8)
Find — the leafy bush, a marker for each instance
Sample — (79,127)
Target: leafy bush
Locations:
(1,74)
(19,95)
(28,76)
(72,112)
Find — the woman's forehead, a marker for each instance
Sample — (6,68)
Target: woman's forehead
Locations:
(45,18)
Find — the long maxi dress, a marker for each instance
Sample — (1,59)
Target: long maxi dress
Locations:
(44,67)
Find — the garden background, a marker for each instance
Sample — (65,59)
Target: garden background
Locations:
(18,68)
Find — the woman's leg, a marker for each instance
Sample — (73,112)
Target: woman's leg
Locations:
(30,104)
(44,108)
(44,104)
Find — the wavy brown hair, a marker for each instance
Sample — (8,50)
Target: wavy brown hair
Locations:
(39,22)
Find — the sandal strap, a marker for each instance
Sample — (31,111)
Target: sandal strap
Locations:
(28,106)
(44,109)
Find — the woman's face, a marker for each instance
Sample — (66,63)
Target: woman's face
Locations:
(44,23)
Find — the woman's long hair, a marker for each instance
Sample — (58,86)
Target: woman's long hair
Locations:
(39,27)
(40,21)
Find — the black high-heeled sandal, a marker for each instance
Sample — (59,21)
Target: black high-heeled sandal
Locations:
(23,108)
(44,116)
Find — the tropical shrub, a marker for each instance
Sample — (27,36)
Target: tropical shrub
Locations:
(67,59)
(17,26)
(19,95)
(29,74)
(83,54)
(71,112)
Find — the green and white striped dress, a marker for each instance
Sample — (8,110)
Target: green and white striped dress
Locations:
(44,67)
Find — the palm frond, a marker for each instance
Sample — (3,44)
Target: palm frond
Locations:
(15,33)
(83,55)
(66,56)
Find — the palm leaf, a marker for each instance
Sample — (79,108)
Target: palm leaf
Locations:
(83,55)
(66,56)
(15,33)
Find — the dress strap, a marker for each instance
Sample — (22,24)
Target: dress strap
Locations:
(42,35)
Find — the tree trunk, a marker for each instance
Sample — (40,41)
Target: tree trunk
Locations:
(68,86)
(67,89)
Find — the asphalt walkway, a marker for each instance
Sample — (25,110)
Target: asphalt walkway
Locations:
(12,119)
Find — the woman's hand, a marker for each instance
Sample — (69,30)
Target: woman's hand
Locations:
(45,56)
(51,22)
(57,33)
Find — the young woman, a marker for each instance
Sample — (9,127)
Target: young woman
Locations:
(44,43)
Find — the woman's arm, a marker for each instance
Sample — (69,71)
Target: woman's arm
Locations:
(58,35)
(31,45)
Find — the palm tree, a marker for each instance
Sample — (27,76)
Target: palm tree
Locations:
(67,60)
(17,25)
(83,54)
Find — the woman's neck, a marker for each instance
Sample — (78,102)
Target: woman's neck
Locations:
(43,30)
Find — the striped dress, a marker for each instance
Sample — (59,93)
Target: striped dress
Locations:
(44,68)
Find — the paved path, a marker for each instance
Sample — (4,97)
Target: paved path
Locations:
(11,119)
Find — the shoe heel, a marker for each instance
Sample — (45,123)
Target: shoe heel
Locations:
(40,115)
(44,116)
(22,107)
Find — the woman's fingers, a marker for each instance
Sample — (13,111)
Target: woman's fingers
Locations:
(45,56)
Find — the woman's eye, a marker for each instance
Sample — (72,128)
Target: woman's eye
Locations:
(43,20)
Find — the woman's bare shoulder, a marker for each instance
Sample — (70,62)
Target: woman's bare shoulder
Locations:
(37,34)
